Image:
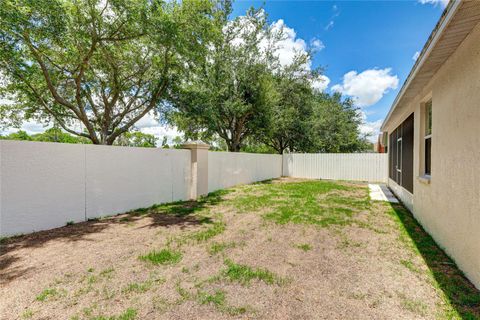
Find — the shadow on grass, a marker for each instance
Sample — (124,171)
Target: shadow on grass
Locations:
(269,181)
(181,213)
(461,294)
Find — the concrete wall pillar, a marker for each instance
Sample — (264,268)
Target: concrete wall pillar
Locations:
(199,168)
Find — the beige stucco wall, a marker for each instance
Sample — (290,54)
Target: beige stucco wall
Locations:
(449,207)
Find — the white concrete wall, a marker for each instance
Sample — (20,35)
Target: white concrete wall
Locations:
(42,185)
(120,179)
(46,185)
(448,206)
(372,167)
(226,169)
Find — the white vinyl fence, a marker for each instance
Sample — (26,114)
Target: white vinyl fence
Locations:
(372,167)
(226,169)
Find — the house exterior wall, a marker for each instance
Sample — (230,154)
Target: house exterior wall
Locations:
(448,206)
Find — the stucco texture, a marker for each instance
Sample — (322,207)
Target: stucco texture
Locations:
(46,185)
(449,206)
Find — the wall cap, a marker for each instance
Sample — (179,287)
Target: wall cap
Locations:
(197,144)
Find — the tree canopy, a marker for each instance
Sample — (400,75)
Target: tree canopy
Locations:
(232,92)
(101,64)
(96,67)
(244,95)
(55,134)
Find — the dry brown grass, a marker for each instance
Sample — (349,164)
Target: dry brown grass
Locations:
(238,260)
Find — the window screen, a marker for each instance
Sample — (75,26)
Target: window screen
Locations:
(401,154)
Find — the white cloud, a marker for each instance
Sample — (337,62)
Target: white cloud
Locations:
(317,44)
(416,55)
(31,127)
(443,3)
(371,129)
(147,121)
(329,25)
(160,131)
(368,87)
(147,124)
(287,48)
(150,125)
(321,83)
(290,46)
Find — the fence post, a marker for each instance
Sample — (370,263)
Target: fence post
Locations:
(199,168)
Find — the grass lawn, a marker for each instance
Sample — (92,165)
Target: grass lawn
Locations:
(282,249)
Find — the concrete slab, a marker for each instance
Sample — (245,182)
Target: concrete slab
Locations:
(381,193)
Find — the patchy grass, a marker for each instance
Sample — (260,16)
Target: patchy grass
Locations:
(218,247)
(186,208)
(351,244)
(299,202)
(244,274)
(27,314)
(413,305)
(138,287)
(162,257)
(304,246)
(409,265)
(348,243)
(47,294)
(461,299)
(218,299)
(204,235)
(107,272)
(141,287)
(129,314)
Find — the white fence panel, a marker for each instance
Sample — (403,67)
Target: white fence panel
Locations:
(371,167)
(227,169)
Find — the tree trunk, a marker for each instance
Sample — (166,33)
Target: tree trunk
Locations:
(233,147)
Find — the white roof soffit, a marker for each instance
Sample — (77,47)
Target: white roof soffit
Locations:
(456,22)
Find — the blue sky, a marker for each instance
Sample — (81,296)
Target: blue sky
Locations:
(377,40)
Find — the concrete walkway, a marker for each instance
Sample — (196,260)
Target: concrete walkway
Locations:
(381,193)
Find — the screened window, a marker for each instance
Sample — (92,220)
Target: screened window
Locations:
(401,154)
(428,138)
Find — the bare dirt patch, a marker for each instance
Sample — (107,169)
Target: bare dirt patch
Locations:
(286,249)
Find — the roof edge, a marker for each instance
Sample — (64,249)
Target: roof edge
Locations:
(434,37)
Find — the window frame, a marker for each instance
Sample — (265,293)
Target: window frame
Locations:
(427,135)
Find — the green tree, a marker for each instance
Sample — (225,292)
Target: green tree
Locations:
(19,135)
(57,135)
(291,116)
(335,125)
(233,91)
(137,139)
(165,143)
(104,64)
